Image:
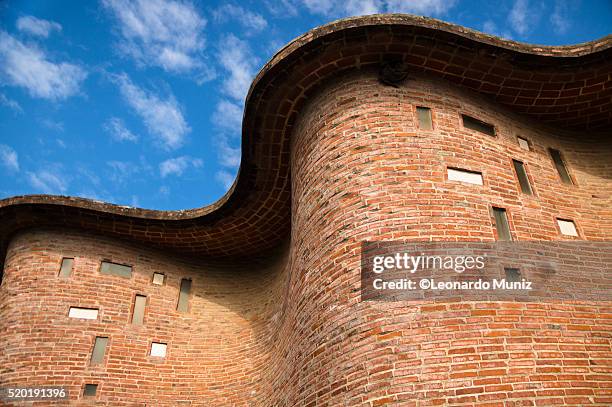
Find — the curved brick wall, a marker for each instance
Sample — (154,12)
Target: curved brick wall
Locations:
(214,355)
(294,332)
(362,170)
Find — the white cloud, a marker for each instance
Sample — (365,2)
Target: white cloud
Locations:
(559,20)
(162,117)
(9,158)
(518,17)
(36,26)
(123,171)
(27,66)
(116,128)
(225,178)
(162,33)
(10,103)
(342,8)
(236,57)
(178,165)
(48,181)
(229,156)
(248,19)
(228,116)
(52,125)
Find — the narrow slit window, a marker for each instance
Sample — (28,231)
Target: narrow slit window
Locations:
(501,224)
(523,143)
(158,278)
(159,349)
(183,301)
(99,349)
(521,174)
(116,269)
(478,125)
(471,177)
(424,116)
(90,390)
(567,227)
(560,165)
(139,310)
(66,267)
(83,313)
(512,274)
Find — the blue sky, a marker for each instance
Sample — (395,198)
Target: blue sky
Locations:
(140,103)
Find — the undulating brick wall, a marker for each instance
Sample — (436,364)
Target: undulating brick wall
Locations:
(363,170)
(293,331)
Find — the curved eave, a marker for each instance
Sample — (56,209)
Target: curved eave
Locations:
(565,86)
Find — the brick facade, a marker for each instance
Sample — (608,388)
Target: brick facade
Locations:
(287,327)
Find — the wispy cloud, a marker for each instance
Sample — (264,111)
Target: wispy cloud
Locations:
(48,181)
(52,125)
(340,8)
(162,33)
(123,171)
(250,20)
(490,27)
(228,116)
(236,58)
(178,165)
(524,16)
(559,18)
(163,117)
(10,103)
(28,67)
(9,158)
(118,131)
(36,26)
(225,178)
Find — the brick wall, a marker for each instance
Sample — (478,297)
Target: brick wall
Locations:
(362,170)
(295,333)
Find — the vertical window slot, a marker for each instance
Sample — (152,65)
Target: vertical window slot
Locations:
(501,224)
(561,167)
(99,349)
(66,267)
(140,302)
(424,116)
(183,302)
(521,174)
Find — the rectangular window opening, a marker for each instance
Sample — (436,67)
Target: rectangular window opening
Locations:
(478,125)
(424,116)
(83,313)
(90,390)
(523,143)
(139,310)
(158,349)
(99,349)
(512,274)
(567,227)
(560,165)
(183,302)
(158,278)
(471,177)
(521,174)
(501,224)
(116,269)
(66,267)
